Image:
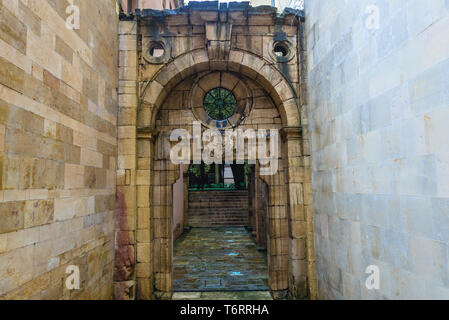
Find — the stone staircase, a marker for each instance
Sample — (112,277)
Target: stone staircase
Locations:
(218,208)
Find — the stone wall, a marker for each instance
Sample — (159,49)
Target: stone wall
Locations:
(379,115)
(57,148)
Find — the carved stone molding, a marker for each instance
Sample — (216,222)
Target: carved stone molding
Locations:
(281,51)
(147,133)
(291,133)
(161,46)
(218,40)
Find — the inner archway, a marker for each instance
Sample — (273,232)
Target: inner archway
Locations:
(257,112)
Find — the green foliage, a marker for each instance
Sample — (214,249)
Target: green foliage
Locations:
(195,169)
(247,168)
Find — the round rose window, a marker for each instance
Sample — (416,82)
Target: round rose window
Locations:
(219,104)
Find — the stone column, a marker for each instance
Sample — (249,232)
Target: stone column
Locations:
(145,146)
(299,215)
(277,225)
(309,212)
(165,174)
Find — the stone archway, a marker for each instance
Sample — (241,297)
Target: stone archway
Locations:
(287,225)
(196,41)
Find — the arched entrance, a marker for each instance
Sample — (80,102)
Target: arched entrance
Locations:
(185,56)
(249,77)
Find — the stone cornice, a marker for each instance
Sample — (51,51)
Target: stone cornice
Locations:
(238,13)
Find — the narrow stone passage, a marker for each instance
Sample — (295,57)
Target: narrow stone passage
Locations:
(219,259)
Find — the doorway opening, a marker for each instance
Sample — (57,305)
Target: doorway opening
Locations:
(219,249)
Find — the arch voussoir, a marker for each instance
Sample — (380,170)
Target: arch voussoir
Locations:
(185,65)
(239,61)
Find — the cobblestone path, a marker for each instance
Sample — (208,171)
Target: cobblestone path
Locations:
(219,259)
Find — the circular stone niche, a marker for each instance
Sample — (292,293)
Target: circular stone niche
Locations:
(156,51)
(221,100)
(281,51)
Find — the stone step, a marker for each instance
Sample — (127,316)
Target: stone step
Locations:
(227,204)
(215,194)
(212,211)
(218,196)
(228,211)
(218,219)
(207,224)
(196,205)
(218,208)
(218,199)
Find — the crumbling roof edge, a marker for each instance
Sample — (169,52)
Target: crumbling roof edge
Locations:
(214,6)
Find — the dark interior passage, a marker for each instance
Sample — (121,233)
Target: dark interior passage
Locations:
(220,250)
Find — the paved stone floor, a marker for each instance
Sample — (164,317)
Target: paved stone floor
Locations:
(241,295)
(219,259)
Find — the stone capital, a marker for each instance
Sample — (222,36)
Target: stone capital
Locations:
(291,133)
(147,133)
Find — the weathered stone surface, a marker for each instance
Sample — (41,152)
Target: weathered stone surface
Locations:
(58,144)
(38,213)
(124,263)
(12,216)
(376,111)
(124,290)
(12,30)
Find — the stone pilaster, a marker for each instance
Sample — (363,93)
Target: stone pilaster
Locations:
(144,234)
(278,244)
(301,258)
(165,174)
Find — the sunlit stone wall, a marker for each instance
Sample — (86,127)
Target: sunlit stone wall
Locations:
(58,113)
